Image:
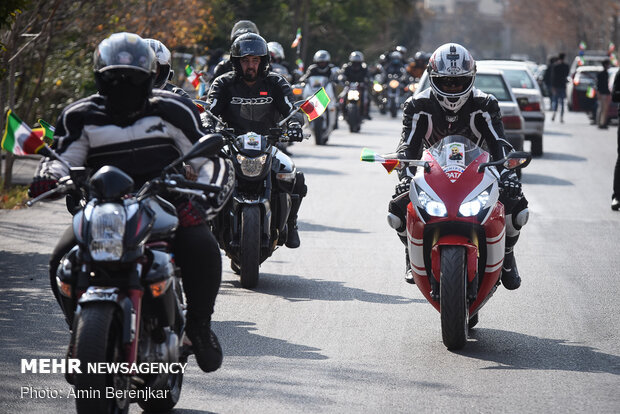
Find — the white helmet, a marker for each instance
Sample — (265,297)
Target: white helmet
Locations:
(275,50)
(321,56)
(164,67)
(452,71)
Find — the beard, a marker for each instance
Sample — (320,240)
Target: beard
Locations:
(250,75)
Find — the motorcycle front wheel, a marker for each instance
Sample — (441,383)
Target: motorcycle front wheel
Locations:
(453,297)
(99,338)
(318,133)
(353,118)
(250,246)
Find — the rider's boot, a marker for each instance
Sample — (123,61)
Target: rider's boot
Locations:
(292,239)
(205,345)
(510,275)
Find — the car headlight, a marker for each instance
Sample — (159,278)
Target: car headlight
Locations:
(251,167)
(353,95)
(107,229)
(433,207)
(377,87)
(473,207)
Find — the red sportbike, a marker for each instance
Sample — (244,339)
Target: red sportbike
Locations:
(455,229)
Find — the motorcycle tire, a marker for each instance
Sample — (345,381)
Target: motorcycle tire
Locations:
(453,297)
(319,132)
(393,109)
(353,118)
(473,321)
(250,246)
(99,336)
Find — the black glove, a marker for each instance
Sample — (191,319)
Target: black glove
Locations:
(510,185)
(41,185)
(402,187)
(295,133)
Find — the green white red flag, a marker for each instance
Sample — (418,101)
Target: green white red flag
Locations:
(315,105)
(192,76)
(297,39)
(19,139)
(371,156)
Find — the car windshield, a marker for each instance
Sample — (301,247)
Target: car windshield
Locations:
(518,78)
(493,84)
(455,152)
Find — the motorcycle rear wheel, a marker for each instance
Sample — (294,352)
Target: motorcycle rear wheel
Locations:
(99,339)
(353,118)
(249,259)
(318,133)
(453,297)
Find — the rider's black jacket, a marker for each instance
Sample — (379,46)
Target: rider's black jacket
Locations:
(255,108)
(425,122)
(224,66)
(316,70)
(175,89)
(354,73)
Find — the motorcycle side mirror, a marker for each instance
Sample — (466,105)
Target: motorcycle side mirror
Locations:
(516,159)
(204,147)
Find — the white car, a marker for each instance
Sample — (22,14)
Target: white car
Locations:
(492,81)
(529,96)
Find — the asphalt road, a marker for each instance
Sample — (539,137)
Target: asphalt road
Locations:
(332,326)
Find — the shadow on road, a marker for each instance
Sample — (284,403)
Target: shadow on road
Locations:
(319,171)
(238,340)
(304,226)
(557,133)
(513,350)
(540,179)
(558,156)
(296,289)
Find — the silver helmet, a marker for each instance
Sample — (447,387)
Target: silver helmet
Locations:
(452,71)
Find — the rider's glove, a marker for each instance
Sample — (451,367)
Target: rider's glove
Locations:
(190,213)
(295,133)
(402,187)
(510,185)
(41,185)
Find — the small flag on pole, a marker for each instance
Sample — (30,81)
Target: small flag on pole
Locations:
(297,39)
(582,45)
(371,156)
(192,76)
(19,139)
(316,104)
(590,92)
(611,48)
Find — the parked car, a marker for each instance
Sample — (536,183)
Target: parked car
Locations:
(529,96)
(492,81)
(583,79)
(612,112)
(589,58)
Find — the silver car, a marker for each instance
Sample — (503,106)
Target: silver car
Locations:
(492,81)
(529,96)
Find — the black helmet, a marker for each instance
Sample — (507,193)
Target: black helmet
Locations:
(125,68)
(250,44)
(356,57)
(243,27)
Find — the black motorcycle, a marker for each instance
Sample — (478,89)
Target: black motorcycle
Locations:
(119,286)
(353,105)
(254,222)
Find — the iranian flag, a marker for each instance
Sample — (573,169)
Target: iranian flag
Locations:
(192,76)
(315,105)
(297,39)
(19,139)
(371,156)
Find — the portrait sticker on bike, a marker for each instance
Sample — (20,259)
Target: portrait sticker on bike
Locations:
(251,141)
(456,154)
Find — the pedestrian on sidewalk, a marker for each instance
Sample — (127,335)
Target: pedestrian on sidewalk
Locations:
(615,197)
(603,95)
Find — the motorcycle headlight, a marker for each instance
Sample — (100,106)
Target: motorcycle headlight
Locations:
(353,95)
(251,167)
(473,207)
(433,207)
(394,84)
(377,87)
(107,229)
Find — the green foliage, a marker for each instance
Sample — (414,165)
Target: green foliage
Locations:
(9,9)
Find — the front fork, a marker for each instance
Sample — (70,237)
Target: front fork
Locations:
(472,265)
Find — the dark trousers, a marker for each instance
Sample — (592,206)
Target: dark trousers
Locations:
(196,252)
(616,193)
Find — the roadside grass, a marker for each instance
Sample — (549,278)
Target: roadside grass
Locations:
(13,198)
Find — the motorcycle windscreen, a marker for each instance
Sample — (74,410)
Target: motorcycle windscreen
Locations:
(454,153)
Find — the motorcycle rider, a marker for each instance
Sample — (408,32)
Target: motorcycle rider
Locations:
(239,28)
(119,127)
(164,68)
(250,98)
(356,70)
(454,106)
(278,64)
(321,66)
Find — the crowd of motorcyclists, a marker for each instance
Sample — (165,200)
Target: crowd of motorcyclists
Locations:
(249,91)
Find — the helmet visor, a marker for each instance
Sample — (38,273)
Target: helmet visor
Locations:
(249,47)
(452,85)
(118,76)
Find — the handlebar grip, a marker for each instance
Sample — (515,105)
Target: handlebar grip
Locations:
(182,182)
